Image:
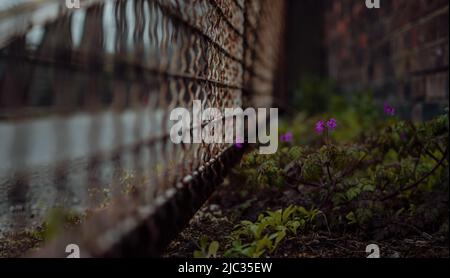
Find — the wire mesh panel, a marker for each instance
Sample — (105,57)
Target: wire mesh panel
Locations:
(85,99)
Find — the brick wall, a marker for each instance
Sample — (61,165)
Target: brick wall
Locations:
(401,51)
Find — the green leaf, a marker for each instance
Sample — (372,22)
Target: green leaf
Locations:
(352,193)
(279,237)
(213,248)
(198,254)
(262,244)
(351,218)
(293,226)
(287,212)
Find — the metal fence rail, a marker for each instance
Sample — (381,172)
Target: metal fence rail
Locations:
(85,97)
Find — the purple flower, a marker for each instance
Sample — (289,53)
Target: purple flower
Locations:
(389,110)
(332,124)
(239,143)
(287,137)
(320,126)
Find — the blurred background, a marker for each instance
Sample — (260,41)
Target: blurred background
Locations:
(398,52)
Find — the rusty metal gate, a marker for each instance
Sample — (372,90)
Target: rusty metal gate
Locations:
(85,96)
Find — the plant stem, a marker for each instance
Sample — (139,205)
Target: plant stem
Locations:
(416,183)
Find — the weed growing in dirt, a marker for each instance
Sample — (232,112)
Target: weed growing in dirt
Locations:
(390,180)
(253,239)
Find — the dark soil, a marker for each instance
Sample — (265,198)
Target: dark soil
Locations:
(15,245)
(230,204)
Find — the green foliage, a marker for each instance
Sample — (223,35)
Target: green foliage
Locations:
(386,170)
(269,230)
(206,250)
(263,171)
(377,174)
(318,98)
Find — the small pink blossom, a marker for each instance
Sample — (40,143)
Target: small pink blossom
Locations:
(320,126)
(239,143)
(389,110)
(287,137)
(331,124)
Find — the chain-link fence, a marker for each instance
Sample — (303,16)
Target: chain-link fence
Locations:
(85,98)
